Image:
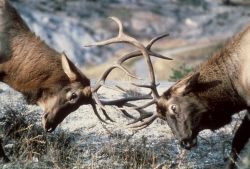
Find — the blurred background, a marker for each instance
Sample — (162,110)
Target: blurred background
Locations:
(197,28)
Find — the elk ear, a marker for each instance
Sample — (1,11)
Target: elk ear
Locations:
(68,67)
(192,83)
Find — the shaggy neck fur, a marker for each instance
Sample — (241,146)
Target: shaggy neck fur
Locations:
(33,67)
(223,66)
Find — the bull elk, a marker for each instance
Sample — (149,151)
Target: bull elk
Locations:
(48,78)
(207,97)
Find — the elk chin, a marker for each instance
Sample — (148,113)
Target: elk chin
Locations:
(47,125)
(188,143)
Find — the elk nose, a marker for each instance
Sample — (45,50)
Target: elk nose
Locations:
(45,124)
(188,143)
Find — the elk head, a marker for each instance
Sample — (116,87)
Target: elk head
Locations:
(183,111)
(186,110)
(190,106)
(43,75)
(60,100)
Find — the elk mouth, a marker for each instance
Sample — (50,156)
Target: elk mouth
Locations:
(47,126)
(49,130)
(188,143)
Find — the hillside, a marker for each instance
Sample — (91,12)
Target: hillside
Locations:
(68,25)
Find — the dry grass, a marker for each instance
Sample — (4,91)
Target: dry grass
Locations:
(28,146)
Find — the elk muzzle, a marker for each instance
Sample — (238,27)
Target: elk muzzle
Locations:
(51,119)
(188,143)
(47,126)
(57,108)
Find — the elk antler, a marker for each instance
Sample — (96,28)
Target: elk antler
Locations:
(145,51)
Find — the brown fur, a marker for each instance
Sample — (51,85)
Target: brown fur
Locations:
(33,66)
(43,75)
(211,94)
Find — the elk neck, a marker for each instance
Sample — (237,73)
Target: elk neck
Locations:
(223,67)
(33,66)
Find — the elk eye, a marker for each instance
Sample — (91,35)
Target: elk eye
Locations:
(73,97)
(174,108)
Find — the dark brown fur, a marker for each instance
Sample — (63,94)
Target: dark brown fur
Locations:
(43,75)
(209,96)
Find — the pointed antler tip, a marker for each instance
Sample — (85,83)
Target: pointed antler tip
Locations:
(93,44)
(118,22)
(87,45)
(113,18)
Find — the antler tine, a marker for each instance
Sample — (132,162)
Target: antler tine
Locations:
(107,116)
(102,79)
(121,37)
(122,101)
(147,104)
(156,39)
(96,112)
(127,114)
(146,53)
(97,101)
(143,113)
(145,117)
(158,55)
(138,53)
(145,122)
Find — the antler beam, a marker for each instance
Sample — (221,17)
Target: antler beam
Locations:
(145,52)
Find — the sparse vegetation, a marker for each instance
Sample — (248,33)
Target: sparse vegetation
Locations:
(29,146)
(129,155)
(179,73)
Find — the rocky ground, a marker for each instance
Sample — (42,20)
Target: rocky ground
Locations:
(82,141)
